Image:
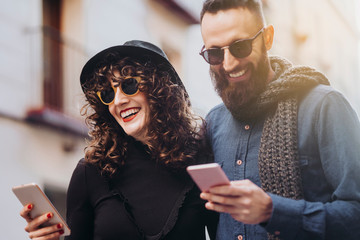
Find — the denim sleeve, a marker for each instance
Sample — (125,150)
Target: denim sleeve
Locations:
(334,213)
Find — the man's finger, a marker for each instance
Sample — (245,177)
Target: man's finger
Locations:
(220,208)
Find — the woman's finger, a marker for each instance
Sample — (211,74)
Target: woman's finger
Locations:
(25,212)
(35,223)
(47,233)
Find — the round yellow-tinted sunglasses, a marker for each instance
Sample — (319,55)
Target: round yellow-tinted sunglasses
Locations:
(128,86)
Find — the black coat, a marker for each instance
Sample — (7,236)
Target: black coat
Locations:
(142,201)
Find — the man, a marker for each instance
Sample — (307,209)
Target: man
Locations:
(288,141)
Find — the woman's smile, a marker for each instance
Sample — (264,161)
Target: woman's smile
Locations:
(129,114)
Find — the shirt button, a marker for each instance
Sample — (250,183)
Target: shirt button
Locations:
(247,127)
(239,162)
(240,237)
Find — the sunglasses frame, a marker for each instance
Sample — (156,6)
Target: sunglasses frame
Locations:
(204,50)
(120,86)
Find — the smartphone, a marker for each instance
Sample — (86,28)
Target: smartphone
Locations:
(32,193)
(207,175)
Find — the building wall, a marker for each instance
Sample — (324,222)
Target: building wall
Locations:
(17,92)
(17,19)
(323,34)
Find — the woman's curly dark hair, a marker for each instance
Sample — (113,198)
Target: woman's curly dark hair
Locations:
(175,133)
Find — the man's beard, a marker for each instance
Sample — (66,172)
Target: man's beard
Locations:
(237,95)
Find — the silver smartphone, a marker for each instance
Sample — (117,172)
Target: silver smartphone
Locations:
(207,175)
(32,193)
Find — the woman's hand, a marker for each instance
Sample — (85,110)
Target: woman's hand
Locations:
(34,228)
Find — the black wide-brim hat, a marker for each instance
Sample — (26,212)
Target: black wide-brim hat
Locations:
(135,49)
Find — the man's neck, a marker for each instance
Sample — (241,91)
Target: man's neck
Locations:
(271,74)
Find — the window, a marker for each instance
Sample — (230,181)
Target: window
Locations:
(52,51)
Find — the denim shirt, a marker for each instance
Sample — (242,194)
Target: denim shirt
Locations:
(329,155)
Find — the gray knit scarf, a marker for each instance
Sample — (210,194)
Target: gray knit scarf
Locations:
(278,156)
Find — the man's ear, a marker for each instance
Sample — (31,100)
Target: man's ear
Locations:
(268,36)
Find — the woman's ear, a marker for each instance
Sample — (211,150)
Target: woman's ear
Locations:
(268,36)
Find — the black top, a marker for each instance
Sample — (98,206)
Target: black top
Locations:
(142,201)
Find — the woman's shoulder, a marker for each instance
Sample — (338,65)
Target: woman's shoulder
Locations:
(86,169)
(88,176)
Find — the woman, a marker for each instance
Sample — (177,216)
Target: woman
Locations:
(132,183)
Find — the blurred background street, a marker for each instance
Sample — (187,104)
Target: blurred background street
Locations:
(45,43)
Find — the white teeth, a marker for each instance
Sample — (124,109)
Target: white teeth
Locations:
(129,112)
(238,74)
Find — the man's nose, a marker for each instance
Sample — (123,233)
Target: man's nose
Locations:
(229,61)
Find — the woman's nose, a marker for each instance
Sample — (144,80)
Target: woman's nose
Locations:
(120,98)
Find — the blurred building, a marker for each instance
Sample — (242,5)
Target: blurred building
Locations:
(323,34)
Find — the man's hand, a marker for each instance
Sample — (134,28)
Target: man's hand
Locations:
(243,200)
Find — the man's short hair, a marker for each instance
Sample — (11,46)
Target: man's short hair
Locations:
(213,6)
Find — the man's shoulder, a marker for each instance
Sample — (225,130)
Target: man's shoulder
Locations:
(217,110)
(217,116)
(321,93)
(324,99)
(322,90)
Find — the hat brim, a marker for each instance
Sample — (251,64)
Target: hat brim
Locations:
(123,51)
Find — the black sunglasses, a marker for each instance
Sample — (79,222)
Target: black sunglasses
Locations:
(240,49)
(128,86)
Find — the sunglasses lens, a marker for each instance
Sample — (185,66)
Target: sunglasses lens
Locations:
(107,96)
(130,86)
(214,56)
(241,49)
